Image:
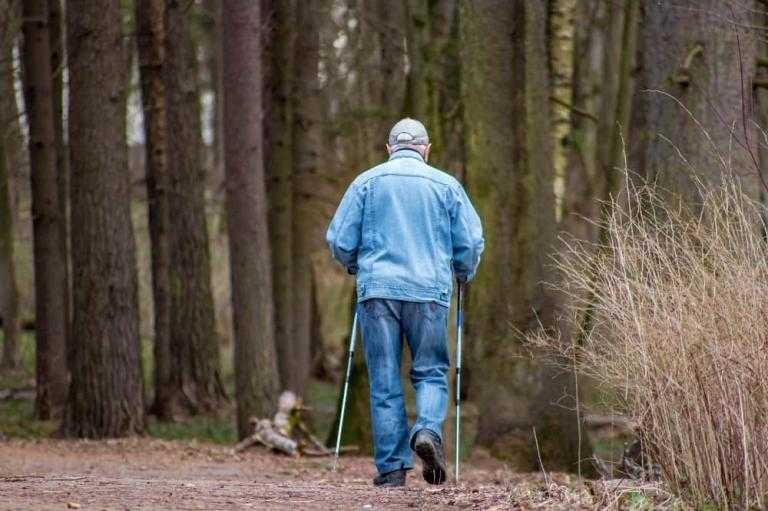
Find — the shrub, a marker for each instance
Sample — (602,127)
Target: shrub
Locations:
(677,301)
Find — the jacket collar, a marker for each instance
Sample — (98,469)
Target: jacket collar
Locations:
(406,153)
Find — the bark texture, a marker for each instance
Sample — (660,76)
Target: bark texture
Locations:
(561,44)
(433,88)
(49,261)
(306,153)
(10,140)
(279,16)
(510,178)
(256,373)
(195,379)
(56,30)
(706,71)
(151,46)
(106,391)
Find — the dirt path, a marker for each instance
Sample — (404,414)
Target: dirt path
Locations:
(154,474)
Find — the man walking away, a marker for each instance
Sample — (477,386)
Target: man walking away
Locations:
(406,229)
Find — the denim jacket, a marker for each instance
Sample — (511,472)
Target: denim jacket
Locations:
(405,229)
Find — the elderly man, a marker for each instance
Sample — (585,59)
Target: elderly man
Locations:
(406,229)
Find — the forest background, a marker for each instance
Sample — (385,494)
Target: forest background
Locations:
(168,168)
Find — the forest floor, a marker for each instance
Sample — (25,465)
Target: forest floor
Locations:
(146,473)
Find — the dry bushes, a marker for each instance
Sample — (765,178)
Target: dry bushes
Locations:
(678,301)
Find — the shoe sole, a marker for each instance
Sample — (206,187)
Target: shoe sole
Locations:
(433,473)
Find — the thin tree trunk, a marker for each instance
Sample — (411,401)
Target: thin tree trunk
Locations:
(213,58)
(151,45)
(9,292)
(306,151)
(195,378)
(9,141)
(56,29)
(256,374)
(49,261)
(562,29)
(106,395)
(279,169)
(510,178)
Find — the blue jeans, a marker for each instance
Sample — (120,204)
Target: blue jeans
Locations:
(425,326)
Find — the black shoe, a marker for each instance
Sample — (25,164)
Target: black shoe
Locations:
(427,445)
(390,479)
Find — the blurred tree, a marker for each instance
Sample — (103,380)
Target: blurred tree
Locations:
(693,120)
(49,261)
(106,391)
(195,362)
(150,26)
(212,46)
(256,373)
(10,149)
(56,31)
(306,179)
(562,30)
(510,178)
(433,88)
(280,34)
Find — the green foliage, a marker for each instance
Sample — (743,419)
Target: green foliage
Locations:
(17,420)
(218,430)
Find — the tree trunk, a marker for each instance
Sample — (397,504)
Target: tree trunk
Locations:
(195,379)
(510,178)
(306,151)
(213,57)
(49,261)
(56,29)
(256,374)
(106,395)
(151,45)
(562,29)
(433,86)
(9,292)
(9,142)
(279,169)
(698,128)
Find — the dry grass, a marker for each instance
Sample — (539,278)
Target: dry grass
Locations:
(678,307)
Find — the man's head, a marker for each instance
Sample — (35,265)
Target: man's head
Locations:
(409,134)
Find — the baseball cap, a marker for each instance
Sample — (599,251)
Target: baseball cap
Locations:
(407,132)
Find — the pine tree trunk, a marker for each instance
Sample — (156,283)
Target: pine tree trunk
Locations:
(306,151)
(9,142)
(699,127)
(279,169)
(195,379)
(49,261)
(151,45)
(510,178)
(106,391)
(56,29)
(256,374)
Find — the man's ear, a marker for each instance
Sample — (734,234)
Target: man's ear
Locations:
(389,149)
(426,152)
